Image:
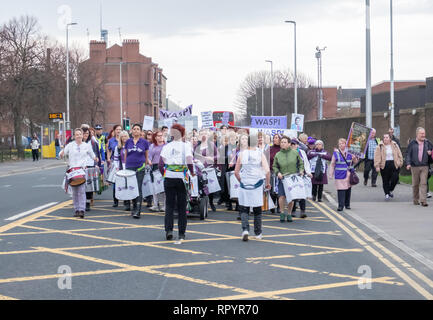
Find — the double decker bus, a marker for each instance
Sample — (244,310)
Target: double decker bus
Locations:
(218,118)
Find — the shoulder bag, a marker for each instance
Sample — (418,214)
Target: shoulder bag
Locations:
(354,179)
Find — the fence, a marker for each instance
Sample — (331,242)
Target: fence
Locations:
(10,154)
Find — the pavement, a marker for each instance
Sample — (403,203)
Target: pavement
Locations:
(8,168)
(397,221)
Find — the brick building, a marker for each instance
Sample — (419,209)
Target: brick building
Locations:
(143,83)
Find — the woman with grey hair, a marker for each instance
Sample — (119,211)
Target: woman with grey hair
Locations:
(318,158)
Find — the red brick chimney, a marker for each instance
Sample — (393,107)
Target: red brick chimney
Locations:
(131,50)
(98,51)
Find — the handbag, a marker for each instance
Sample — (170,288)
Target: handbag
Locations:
(353,179)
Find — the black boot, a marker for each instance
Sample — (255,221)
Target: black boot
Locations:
(127,205)
(136,209)
(87,206)
(116,203)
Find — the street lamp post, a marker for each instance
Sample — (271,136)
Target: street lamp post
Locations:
(296,75)
(272,87)
(368,105)
(319,81)
(392,74)
(68,122)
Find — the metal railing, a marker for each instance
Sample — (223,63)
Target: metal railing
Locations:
(11,154)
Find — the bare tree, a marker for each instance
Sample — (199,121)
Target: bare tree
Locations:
(20,52)
(250,89)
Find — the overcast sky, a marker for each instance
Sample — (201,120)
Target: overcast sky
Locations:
(207,47)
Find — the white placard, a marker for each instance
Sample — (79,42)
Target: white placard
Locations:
(207,119)
(148,123)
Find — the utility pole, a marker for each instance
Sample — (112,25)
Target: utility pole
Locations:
(368,106)
(319,82)
(391,105)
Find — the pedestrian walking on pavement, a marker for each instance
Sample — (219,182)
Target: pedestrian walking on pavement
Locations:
(35,145)
(137,155)
(418,156)
(319,158)
(78,153)
(341,164)
(286,162)
(252,171)
(372,144)
(388,160)
(175,160)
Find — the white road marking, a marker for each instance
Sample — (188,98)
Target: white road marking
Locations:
(20,215)
(48,186)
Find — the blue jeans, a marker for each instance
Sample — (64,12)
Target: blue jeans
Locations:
(57,151)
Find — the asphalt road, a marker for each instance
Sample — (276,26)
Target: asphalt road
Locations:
(20,193)
(108,255)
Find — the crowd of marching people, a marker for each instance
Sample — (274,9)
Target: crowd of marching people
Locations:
(248,171)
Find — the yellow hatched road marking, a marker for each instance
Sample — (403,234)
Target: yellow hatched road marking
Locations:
(389,252)
(388,263)
(152,270)
(331,274)
(6,298)
(267,294)
(146,244)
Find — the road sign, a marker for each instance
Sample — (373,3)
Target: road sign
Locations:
(53,116)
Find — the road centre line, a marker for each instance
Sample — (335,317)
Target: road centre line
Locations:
(33,216)
(384,260)
(23,214)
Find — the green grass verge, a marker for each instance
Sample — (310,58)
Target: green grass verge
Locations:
(408,180)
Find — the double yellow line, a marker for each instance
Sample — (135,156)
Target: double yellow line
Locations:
(369,243)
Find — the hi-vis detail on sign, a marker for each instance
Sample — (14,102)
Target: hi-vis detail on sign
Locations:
(269,122)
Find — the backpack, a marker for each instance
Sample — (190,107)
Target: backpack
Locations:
(318,172)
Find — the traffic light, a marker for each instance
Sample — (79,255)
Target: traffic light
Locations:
(126,124)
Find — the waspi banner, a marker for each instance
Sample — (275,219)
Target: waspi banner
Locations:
(164,114)
(269,122)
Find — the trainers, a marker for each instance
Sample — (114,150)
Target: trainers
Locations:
(387,197)
(154,209)
(289,218)
(391,195)
(181,236)
(303,215)
(245,235)
(283,217)
(429,195)
(259,237)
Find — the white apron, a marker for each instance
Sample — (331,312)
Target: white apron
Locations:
(251,173)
